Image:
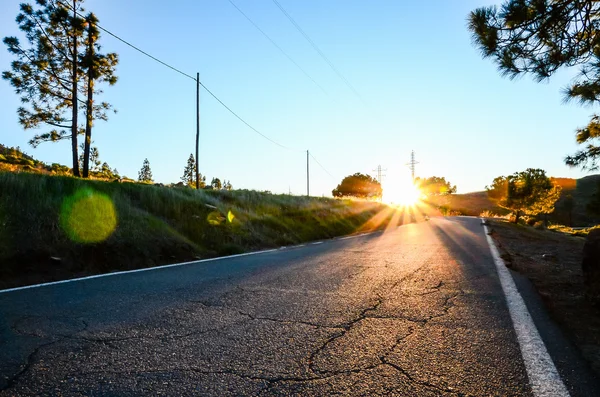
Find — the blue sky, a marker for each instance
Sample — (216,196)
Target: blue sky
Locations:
(423,87)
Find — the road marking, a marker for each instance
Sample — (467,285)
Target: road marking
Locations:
(166,266)
(541,371)
(136,270)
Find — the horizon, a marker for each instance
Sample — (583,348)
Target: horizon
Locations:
(449,80)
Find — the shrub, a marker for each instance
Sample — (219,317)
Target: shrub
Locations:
(539,225)
(2,158)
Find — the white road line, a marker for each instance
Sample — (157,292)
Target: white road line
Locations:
(543,376)
(165,266)
(135,271)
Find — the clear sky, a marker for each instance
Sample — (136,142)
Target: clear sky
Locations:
(422,86)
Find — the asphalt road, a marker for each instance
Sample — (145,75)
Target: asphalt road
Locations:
(414,311)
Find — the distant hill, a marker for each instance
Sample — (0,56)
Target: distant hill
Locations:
(581,189)
(15,160)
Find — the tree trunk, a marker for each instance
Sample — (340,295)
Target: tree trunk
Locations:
(90,102)
(517,216)
(74,96)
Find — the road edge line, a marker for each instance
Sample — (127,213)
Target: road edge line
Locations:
(135,270)
(541,371)
(171,265)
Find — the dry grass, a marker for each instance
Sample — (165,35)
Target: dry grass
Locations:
(155,225)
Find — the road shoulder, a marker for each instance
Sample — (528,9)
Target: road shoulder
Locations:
(553,284)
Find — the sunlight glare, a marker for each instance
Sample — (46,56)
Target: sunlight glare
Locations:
(404,194)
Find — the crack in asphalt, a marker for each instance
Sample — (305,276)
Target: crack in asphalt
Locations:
(11,381)
(345,328)
(263,318)
(270,381)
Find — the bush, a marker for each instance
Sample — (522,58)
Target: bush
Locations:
(2,158)
(531,221)
(539,225)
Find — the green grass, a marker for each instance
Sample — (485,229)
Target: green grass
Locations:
(56,227)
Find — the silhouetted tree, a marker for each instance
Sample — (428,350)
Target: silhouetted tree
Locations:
(145,174)
(94,158)
(227,185)
(538,37)
(435,186)
(189,174)
(528,192)
(216,184)
(358,185)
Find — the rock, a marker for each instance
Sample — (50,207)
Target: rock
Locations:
(591,267)
(549,257)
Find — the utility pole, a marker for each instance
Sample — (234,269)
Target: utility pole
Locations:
(412,164)
(307,176)
(197,128)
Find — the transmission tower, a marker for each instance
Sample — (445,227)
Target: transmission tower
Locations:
(380,175)
(412,164)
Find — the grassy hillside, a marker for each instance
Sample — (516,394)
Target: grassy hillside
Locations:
(581,189)
(472,204)
(56,227)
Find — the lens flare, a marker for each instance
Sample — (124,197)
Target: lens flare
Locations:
(88,216)
(403,194)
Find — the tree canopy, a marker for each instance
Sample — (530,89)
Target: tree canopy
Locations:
(145,174)
(528,192)
(50,69)
(358,185)
(434,186)
(189,174)
(540,36)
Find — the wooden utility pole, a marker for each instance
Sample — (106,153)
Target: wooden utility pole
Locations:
(307,176)
(197,128)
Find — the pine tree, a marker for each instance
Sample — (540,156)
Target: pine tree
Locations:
(539,37)
(48,73)
(45,74)
(145,174)
(98,68)
(189,172)
(94,158)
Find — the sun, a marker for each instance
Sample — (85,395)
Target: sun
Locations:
(403,194)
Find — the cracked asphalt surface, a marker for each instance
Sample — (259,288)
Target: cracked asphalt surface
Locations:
(415,311)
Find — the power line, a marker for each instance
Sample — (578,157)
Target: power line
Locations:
(188,76)
(278,47)
(318,50)
(244,121)
(320,165)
